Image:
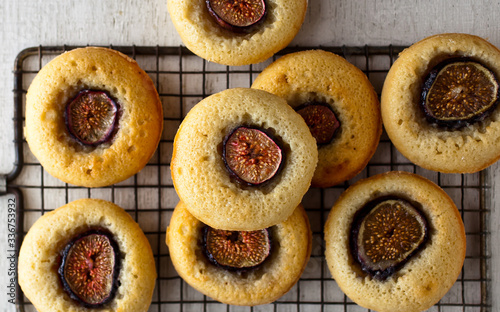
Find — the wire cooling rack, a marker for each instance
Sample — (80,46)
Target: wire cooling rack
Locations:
(183,79)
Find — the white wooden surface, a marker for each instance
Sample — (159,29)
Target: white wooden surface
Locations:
(25,23)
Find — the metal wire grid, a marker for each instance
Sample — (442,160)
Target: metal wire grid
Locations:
(183,79)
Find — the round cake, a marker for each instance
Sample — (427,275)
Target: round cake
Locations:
(290,249)
(395,242)
(339,105)
(440,103)
(88,254)
(242,160)
(93,117)
(237,35)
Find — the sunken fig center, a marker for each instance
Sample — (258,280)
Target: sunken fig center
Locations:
(252,155)
(386,234)
(237,15)
(91,117)
(321,121)
(459,92)
(236,250)
(89,268)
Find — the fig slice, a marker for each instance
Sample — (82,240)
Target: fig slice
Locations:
(237,15)
(321,121)
(386,234)
(89,268)
(459,92)
(236,250)
(252,155)
(91,117)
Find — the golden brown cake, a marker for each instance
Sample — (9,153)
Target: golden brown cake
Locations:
(290,251)
(242,160)
(395,242)
(459,131)
(203,35)
(105,234)
(335,98)
(93,117)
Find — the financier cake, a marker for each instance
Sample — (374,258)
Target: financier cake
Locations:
(242,160)
(238,33)
(339,105)
(93,117)
(440,103)
(239,268)
(395,242)
(88,254)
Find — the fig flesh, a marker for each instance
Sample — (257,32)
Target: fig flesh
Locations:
(385,235)
(459,92)
(321,121)
(252,155)
(237,15)
(91,117)
(236,250)
(89,268)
